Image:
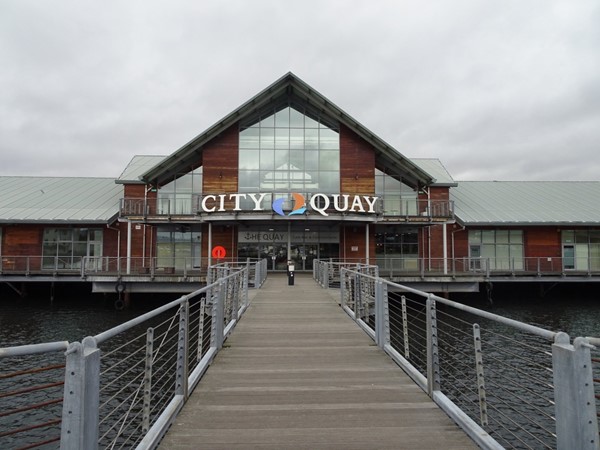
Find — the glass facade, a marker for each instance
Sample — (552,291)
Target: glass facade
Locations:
(397,247)
(177,197)
(177,248)
(65,248)
(502,249)
(581,249)
(398,198)
(289,150)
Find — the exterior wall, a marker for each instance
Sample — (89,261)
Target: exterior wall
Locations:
(357,164)
(223,235)
(354,236)
(143,237)
(20,241)
(220,164)
(542,242)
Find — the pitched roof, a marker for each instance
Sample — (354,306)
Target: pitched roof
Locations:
(287,87)
(62,200)
(527,203)
(436,169)
(138,165)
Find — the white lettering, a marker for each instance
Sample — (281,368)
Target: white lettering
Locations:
(222,202)
(237,198)
(356,203)
(204,207)
(320,209)
(336,202)
(370,203)
(257,201)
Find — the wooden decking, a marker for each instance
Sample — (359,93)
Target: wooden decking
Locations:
(297,373)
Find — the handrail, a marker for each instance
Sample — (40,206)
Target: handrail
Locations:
(125,385)
(459,353)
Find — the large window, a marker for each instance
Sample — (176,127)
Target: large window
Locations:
(581,249)
(176,197)
(289,150)
(501,249)
(177,248)
(398,198)
(65,248)
(397,247)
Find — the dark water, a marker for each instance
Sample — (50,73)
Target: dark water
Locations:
(74,315)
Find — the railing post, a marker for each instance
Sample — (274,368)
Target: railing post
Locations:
(480,377)
(201,328)
(181,380)
(382,316)
(81,396)
(433,364)
(218,317)
(405,327)
(148,380)
(576,422)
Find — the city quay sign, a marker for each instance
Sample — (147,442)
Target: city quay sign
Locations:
(319,203)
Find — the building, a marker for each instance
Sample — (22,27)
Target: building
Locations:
(291,177)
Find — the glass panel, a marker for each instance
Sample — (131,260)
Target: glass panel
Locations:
(249,159)
(65,234)
(267,138)
(328,182)
(581,237)
(282,158)
(296,159)
(297,138)
(568,237)
(569,257)
(50,235)
(282,118)
(329,139)
(328,160)
(311,138)
(268,121)
(502,236)
(282,138)
(249,138)
(310,123)
(516,236)
(249,180)
(487,236)
(474,237)
(311,161)
(296,119)
(267,159)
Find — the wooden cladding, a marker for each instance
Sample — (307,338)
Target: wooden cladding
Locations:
(220,163)
(357,164)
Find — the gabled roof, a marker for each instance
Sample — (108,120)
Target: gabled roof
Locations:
(437,170)
(292,88)
(138,165)
(59,200)
(527,203)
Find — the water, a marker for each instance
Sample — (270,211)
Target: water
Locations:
(575,310)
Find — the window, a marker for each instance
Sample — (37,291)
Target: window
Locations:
(397,248)
(289,150)
(65,248)
(176,197)
(398,198)
(501,249)
(581,249)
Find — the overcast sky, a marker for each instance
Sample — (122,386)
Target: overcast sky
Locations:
(497,90)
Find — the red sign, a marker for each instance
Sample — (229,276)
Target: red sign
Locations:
(219,252)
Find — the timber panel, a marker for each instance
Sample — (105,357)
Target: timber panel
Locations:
(357,164)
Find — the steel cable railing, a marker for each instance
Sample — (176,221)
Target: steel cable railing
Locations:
(495,376)
(31,395)
(124,386)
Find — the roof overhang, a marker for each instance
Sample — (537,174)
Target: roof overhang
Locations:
(287,89)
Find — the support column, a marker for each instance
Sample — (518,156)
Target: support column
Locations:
(128,247)
(209,244)
(367,243)
(445,250)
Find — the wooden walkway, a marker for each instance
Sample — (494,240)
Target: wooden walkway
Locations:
(298,373)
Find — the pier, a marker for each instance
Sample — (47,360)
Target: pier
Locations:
(298,373)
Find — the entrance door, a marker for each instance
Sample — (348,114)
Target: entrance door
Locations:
(475,260)
(568,257)
(302,255)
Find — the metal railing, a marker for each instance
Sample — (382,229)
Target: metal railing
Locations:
(84,266)
(122,387)
(505,382)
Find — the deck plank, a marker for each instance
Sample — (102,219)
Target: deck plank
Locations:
(298,373)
